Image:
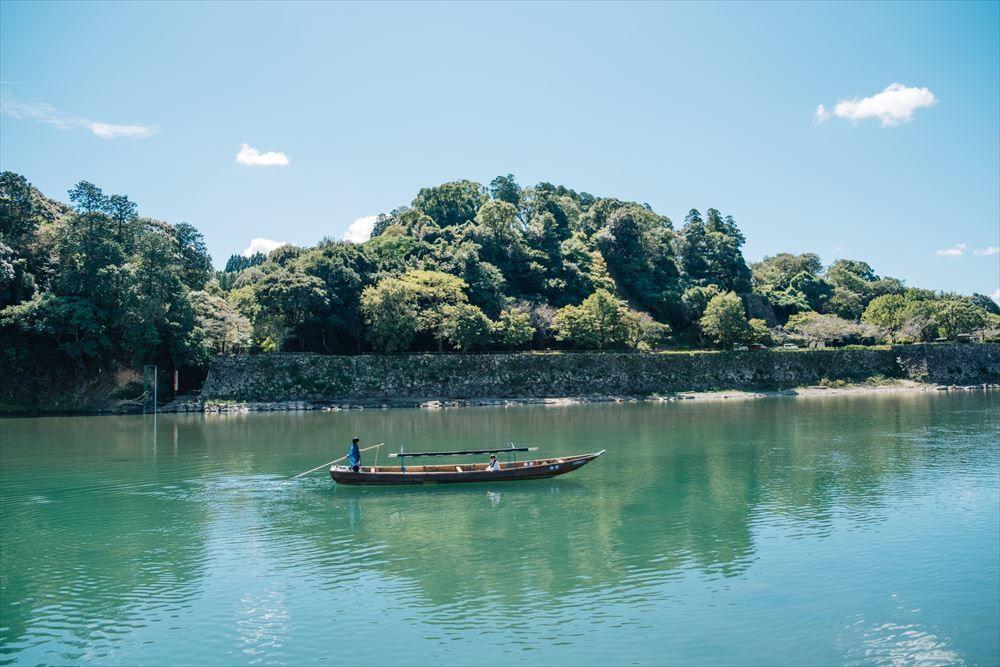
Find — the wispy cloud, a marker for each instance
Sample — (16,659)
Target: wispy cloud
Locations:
(262,245)
(955,251)
(996,296)
(361,229)
(892,106)
(46,113)
(987,251)
(111,131)
(252,157)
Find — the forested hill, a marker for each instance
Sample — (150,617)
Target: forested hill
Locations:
(90,288)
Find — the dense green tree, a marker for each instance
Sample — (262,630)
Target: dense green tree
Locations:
(886,311)
(561,203)
(451,203)
(845,303)
(695,300)
(60,325)
(91,262)
(17,284)
(237,263)
(695,249)
(506,189)
(815,290)
(122,211)
(784,303)
(485,283)
(638,247)
(724,321)
(851,274)
(599,214)
(497,231)
(957,316)
(759,333)
(513,328)
(918,323)
(429,296)
(394,254)
(19,214)
(226,330)
(644,332)
(711,252)
(778,271)
(599,322)
(855,284)
(985,302)
(296,299)
(390,314)
(340,266)
(157,320)
(192,256)
(465,327)
(88,198)
(284,254)
(416,224)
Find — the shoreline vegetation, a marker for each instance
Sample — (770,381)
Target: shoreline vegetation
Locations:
(91,292)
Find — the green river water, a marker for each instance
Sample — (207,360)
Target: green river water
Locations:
(827,530)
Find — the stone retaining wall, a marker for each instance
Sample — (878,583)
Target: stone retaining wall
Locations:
(311,377)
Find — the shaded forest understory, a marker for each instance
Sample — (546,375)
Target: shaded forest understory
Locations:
(90,291)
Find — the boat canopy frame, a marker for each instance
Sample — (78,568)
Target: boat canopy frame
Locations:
(463,452)
(511,452)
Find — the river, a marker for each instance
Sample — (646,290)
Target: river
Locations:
(855,529)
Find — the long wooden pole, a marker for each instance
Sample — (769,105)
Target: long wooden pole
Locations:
(331,462)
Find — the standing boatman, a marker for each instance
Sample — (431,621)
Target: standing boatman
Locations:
(354,455)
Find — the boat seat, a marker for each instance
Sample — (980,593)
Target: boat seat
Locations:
(459,468)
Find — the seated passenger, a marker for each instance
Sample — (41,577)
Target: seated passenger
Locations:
(494,465)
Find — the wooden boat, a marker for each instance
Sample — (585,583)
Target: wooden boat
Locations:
(456,473)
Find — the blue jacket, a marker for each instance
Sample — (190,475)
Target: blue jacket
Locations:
(354,455)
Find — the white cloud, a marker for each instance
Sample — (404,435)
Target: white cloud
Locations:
(361,229)
(46,113)
(894,105)
(996,296)
(262,245)
(252,157)
(111,131)
(987,251)
(955,251)
(821,115)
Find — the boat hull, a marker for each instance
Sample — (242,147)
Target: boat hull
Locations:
(457,474)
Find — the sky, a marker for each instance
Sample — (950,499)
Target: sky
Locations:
(864,131)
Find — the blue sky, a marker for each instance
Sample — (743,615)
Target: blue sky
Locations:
(677,105)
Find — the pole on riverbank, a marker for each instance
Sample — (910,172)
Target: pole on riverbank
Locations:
(331,463)
(147,386)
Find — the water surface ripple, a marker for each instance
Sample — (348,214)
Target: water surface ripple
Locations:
(859,530)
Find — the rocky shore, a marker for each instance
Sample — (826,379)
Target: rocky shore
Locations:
(815,391)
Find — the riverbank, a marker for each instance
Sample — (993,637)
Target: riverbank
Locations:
(814,391)
(282,382)
(537,377)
